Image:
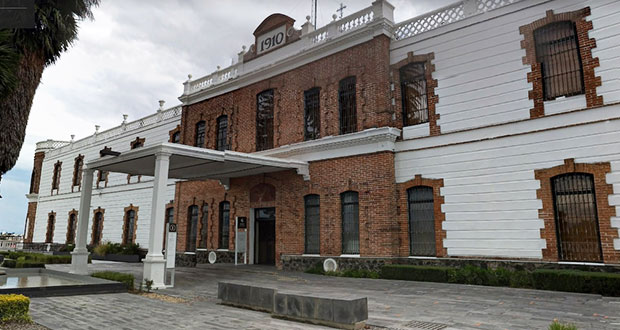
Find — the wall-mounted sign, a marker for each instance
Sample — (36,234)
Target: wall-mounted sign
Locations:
(242,222)
(270,40)
(172,227)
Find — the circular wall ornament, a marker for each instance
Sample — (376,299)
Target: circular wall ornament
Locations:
(212,257)
(330,265)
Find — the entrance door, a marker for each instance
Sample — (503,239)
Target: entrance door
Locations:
(265,238)
(576,217)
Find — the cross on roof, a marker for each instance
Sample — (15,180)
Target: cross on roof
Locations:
(341,9)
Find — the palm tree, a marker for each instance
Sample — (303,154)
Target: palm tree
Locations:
(24,53)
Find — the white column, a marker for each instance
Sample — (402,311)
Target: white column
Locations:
(154,263)
(79,256)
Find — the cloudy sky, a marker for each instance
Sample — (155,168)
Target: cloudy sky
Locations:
(137,52)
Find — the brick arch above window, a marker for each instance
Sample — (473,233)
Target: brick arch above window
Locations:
(431,84)
(588,63)
(439,215)
(604,211)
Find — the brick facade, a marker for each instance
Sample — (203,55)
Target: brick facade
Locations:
(604,211)
(586,44)
(31,216)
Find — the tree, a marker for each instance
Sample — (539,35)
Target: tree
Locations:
(24,53)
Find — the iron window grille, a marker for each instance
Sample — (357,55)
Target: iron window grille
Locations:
(224,225)
(264,120)
(97,228)
(192,228)
(200,134)
(414,93)
(71,229)
(49,235)
(313,224)
(130,222)
(56,177)
(170,215)
(557,52)
(421,221)
(347,105)
(577,228)
(77,170)
(350,223)
(312,114)
(222,130)
(204,222)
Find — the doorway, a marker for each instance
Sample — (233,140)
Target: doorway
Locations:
(265,236)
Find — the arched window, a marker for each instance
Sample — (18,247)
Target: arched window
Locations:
(414,93)
(312,114)
(56,176)
(313,224)
(224,225)
(77,170)
(97,227)
(204,225)
(557,52)
(421,221)
(176,137)
(264,120)
(71,226)
(350,222)
(576,217)
(192,228)
(200,134)
(222,130)
(347,105)
(169,215)
(129,230)
(51,221)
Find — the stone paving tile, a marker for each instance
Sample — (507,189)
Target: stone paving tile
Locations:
(391,304)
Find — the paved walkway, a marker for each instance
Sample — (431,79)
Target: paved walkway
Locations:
(392,304)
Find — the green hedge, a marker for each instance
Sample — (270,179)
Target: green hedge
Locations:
(607,284)
(116,248)
(14,308)
(420,273)
(10,263)
(128,279)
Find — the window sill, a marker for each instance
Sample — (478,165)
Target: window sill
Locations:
(201,250)
(189,253)
(310,255)
(421,257)
(349,256)
(223,250)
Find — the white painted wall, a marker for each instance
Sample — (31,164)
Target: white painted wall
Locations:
(113,199)
(478,64)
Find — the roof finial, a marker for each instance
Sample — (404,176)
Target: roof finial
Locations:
(161,104)
(97,129)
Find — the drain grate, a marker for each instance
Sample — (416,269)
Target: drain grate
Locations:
(424,325)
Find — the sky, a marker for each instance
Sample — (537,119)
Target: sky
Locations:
(135,53)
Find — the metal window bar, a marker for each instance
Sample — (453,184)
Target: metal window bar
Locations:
(55,179)
(97,228)
(77,170)
(312,114)
(347,105)
(576,217)
(204,222)
(71,229)
(421,221)
(192,228)
(222,128)
(200,134)
(224,225)
(129,226)
(50,229)
(313,224)
(557,51)
(350,223)
(414,93)
(264,120)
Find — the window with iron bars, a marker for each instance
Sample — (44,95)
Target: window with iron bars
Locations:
(414,93)
(192,228)
(222,130)
(200,134)
(557,52)
(347,105)
(130,223)
(264,120)
(224,224)
(56,177)
(313,223)
(204,225)
(312,114)
(77,170)
(176,137)
(350,222)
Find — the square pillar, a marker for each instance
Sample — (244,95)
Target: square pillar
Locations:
(79,256)
(154,263)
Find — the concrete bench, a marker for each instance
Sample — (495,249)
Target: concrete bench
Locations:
(346,313)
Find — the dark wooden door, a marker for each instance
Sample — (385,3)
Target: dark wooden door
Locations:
(576,217)
(266,236)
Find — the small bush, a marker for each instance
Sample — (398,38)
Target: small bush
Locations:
(127,279)
(577,281)
(415,273)
(116,248)
(556,325)
(316,269)
(67,248)
(10,263)
(14,308)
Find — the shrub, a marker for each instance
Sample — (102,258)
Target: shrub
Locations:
(39,258)
(556,325)
(127,279)
(10,263)
(415,273)
(316,269)
(14,308)
(116,248)
(577,281)
(67,248)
